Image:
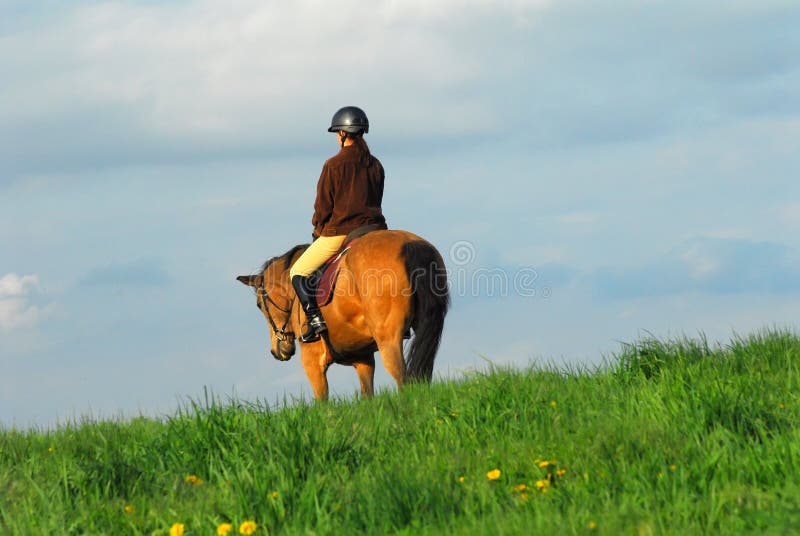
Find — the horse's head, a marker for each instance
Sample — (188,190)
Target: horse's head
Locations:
(275,301)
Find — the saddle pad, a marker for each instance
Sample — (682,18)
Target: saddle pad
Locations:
(327,280)
(328,272)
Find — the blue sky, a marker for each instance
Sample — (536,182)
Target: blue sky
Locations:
(641,157)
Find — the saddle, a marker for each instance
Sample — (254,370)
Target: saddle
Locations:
(326,275)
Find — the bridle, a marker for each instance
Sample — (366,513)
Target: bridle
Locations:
(281,334)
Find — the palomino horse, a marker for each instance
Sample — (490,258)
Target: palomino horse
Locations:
(388,282)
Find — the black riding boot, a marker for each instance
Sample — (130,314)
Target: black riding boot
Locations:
(307,296)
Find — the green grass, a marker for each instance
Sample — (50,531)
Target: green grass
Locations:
(675,437)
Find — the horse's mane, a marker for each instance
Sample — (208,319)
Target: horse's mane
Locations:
(286,258)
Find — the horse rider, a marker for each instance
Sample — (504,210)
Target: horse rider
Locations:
(349,195)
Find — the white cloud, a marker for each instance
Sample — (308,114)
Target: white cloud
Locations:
(16,311)
(12,285)
(205,69)
(115,83)
(718,266)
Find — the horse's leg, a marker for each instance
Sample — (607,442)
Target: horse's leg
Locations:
(391,350)
(315,363)
(387,324)
(366,375)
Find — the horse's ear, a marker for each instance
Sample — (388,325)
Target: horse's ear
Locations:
(251,280)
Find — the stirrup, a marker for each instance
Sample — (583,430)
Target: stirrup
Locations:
(316,325)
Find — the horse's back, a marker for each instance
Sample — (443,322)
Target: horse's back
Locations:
(382,249)
(379,256)
(390,237)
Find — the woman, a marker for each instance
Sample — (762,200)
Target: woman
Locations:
(349,195)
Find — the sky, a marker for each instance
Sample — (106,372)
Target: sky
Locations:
(592,173)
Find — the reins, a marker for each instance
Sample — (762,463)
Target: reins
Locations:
(280,334)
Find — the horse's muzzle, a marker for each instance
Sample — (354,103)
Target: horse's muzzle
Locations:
(280,357)
(285,351)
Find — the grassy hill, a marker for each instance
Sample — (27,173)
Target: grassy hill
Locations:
(674,437)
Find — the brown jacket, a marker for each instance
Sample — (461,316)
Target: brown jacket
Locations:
(349,193)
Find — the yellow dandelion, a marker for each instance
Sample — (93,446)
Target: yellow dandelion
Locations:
(552,403)
(592,525)
(546,463)
(461,479)
(523,496)
(224,529)
(521,487)
(494,474)
(177,529)
(274,495)
(50,449)
(128,509)
(247,528)
(561,472)
(673,467)
(781,406)
(193,480)
(541,485)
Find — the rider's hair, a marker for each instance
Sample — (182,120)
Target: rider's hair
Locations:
(361,143)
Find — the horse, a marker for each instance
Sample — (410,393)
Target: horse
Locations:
(389,282)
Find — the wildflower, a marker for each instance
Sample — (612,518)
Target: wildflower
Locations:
(552,403)
(523,496)
(673,467)
(592,525)
(494,474)
(275,495)
(224,529)
(546,463)
(128,509)
(522,487)
(247,528)
(461,479)
(541,485)
(561,472)
(781,406)
(194,480)
(177,529)
(50,449)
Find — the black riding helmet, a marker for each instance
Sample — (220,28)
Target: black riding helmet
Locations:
(351,119)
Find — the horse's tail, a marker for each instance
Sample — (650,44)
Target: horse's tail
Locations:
(430,300)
